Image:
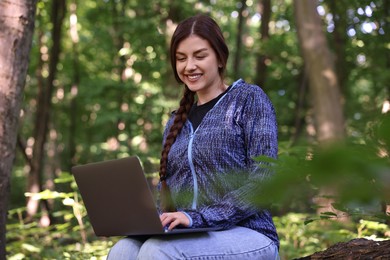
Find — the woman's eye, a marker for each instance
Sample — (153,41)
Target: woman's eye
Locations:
(180,58)
(200,57)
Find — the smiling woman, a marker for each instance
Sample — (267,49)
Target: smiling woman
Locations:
(198,67)
(214,136)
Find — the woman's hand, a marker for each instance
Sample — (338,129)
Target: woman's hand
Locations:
(173,219)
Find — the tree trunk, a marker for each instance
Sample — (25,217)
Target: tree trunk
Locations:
(34,182)
(118,11)
(339,12)
(16,30)
(323,85)
(237,59)
(75,85)
(386,102)
(169,24)
(319,65)
(300,107)
(261,62)
(386,53)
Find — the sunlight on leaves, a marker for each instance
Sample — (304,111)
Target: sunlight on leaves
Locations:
(18,256)
(31,248)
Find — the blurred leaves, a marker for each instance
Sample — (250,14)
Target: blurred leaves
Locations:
(115,116)
(358,175)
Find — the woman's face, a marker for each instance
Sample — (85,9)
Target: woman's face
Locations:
(197,66)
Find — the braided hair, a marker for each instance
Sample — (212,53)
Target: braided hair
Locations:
(181,116)
(206,28)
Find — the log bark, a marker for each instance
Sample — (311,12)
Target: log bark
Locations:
(356,249)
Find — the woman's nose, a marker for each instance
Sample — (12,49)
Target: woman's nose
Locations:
(191,64)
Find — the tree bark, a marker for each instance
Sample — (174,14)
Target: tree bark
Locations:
(354,250)
(386,102)
(385,52)
(237,59)
(75,85)
(118,11)
(339,12)
(319,65)
(261,62)
(16,30)
(324,88)
(34,182)
(300,107)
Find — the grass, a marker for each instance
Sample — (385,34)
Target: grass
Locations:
(64,240)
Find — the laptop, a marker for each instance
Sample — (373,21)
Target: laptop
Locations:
(119,201)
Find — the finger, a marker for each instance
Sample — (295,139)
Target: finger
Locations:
(164,216)
(166,219)
(174,224)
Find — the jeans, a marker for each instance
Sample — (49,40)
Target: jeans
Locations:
(236,243)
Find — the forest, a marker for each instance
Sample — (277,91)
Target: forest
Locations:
(87,81)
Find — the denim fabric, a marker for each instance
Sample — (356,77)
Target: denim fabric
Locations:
(237,243)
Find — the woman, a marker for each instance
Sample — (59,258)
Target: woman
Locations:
(210,143)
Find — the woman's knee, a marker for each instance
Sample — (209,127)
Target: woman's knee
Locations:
(157,249)
(125,248)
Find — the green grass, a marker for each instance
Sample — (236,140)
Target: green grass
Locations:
(64,240)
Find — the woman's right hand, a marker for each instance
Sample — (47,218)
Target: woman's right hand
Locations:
(174,219)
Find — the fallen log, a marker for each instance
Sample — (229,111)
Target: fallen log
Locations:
(356,249)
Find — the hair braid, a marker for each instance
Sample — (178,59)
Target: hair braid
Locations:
(181,116)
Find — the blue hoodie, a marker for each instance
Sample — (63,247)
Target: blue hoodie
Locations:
(212,169)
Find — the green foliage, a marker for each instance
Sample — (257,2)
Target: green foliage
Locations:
(298,239)
(63,240)
(70,236)
(59,241)
(356,176)
(111,116)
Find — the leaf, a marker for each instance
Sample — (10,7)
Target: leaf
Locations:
(329,213)
(31,248)
(308,221)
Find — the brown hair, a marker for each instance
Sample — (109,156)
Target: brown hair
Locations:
(206,28)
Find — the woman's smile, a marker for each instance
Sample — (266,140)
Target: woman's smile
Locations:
(194,77)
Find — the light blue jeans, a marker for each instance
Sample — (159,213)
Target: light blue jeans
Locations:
(237,243)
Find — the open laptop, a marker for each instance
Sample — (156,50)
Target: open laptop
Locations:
(119,201)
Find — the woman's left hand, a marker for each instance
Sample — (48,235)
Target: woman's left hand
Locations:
(174,219)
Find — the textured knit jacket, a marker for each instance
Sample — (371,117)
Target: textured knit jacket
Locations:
(210,170)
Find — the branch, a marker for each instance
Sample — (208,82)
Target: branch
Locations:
(22,146)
